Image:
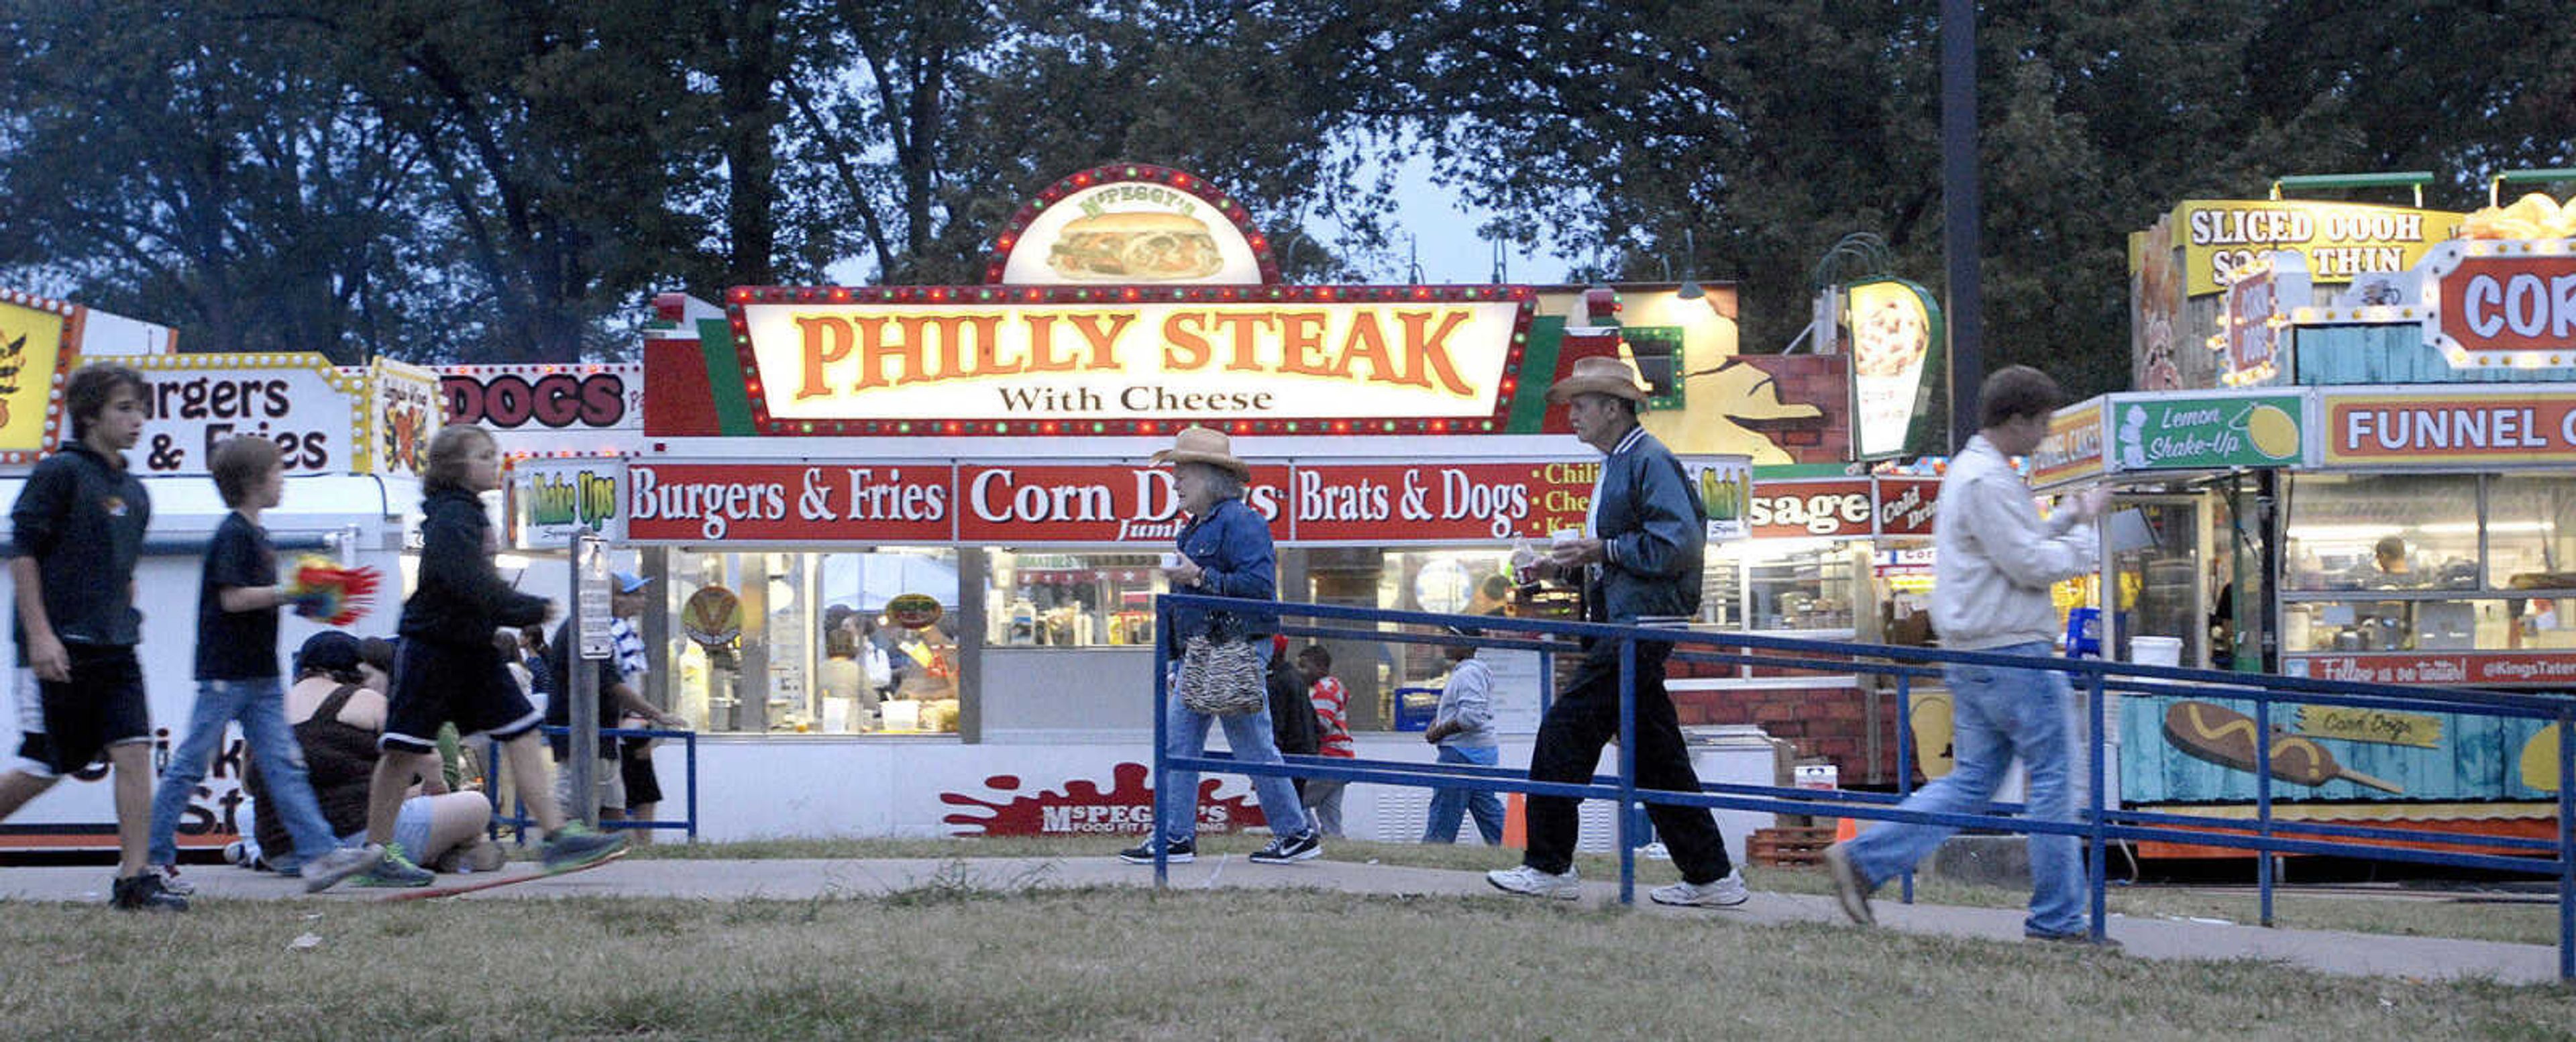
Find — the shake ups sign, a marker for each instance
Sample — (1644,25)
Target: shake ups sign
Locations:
(1127,300)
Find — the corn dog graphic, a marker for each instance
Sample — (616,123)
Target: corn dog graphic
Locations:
(2225,737)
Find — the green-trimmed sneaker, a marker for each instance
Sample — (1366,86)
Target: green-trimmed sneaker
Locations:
(395,870)
(576,844)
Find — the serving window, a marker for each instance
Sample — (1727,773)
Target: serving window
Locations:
(2383,532)
(2429,562)
(1786,585)
(1071,600)
(778,672)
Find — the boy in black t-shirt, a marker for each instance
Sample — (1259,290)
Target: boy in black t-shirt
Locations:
(77,528)
(237,678)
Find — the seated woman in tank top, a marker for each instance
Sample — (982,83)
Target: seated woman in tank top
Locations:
(337,707)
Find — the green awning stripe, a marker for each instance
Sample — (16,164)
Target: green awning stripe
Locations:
(724,377)
(1538,369)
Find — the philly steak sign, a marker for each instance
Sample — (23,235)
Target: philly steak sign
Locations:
(1129,300)
(1318,357)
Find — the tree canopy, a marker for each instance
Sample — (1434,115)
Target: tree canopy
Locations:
(492,180)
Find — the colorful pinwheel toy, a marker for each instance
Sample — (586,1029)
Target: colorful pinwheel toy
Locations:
(330,594)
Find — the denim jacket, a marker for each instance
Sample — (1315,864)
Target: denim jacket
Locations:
(1231,546)
(1653,533)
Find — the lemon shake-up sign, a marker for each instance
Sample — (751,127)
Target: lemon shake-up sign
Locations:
(2205,433)
(1051,359)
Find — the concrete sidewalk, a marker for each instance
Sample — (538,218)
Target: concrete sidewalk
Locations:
(796,880)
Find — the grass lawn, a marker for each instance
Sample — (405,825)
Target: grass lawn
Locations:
(941,962)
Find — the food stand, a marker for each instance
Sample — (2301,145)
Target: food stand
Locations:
(989,445)
(2415,536)
(350,442)
(1843,559)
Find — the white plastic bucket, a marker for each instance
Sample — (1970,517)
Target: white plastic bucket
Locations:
(2155,651)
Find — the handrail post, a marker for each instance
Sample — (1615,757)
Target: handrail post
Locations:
(690,744)
(2566,848)
(2096,848)
(2263,802)
(1627,767)
(1162,770)
(1905,764)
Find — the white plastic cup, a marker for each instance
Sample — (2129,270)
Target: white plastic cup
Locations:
(2155,651)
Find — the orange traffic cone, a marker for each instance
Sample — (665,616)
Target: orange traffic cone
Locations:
(1515,822)
(1845,829)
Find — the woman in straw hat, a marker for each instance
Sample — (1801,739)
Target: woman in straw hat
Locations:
(1225,552)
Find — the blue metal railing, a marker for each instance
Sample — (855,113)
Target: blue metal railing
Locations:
(2093,681)
(519,819)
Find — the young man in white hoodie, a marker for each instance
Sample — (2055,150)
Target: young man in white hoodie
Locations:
(1994,564)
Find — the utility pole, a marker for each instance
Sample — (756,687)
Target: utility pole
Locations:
(1961,242)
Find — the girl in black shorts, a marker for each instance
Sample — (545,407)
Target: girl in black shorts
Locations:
(448,670)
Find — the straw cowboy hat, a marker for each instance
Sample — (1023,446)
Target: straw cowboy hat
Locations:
(1202,445)
(1598,374)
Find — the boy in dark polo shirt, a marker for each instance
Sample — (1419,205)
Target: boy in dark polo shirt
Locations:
(77,529)
(238,679)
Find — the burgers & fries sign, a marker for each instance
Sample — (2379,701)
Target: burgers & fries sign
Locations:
(1122,300)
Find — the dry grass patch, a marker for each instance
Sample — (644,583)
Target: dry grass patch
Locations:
(953,962)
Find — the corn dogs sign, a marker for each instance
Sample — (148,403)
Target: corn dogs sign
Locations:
(2498,306)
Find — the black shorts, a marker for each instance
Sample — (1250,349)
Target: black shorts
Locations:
(635,765)
(437,684)
(101,705)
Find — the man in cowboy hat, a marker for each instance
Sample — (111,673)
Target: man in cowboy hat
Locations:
(1638,560)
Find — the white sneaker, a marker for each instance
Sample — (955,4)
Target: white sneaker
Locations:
(341,863)
(1725,892)
(170,881)
(1522,879)
(1655,851)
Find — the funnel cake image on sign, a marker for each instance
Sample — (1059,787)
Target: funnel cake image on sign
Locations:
(1888,337)
(1134,247)
(1891,331)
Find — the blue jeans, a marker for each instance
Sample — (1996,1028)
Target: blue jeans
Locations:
(260,705)
(1248,734)
(1996,713)
(1447,805)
